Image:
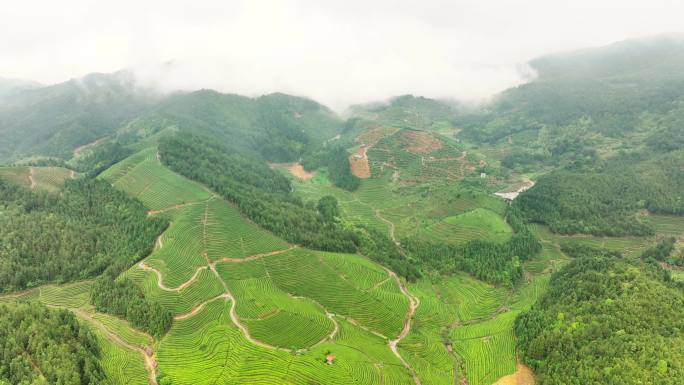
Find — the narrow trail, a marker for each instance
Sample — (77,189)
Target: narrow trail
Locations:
(165,209)
(333,333)
(376,212)
(414,302)
(199,308)
(253,257)
(31,177)
(389,223)
(150,362)
(236,320)
(160,283)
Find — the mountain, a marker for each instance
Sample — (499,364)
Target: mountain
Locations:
(278,127)
(54,120)
(11,87)
(616,90)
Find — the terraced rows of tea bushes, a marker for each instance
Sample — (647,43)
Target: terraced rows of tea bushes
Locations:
(144,177)
(122,366)
(183,246)
(306,273)
(70,295)
(629,246)
(50,178)
(122,329)
(208,349)
(228,235)
(487,348)
(212,229)
(391,153)
(667,225)
(272,281)
(476,224)
(472,319)
(18,175)
(205,287)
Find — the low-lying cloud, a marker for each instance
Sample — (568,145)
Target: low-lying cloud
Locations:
(337,52)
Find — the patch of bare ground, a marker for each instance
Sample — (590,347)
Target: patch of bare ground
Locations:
(298,171)
(522,376)
(81,149)
(419,142)
(358,161)
(31,177)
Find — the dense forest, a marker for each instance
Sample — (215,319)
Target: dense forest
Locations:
(101,158)
(336,160)
(496,263)
(122,298)
(605,320)
(605,201)
(43,346)
(75,234)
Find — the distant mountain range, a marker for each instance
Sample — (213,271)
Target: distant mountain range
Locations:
(616,87)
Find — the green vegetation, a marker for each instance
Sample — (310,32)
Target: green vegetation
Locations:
(606,202)
(101,158)
(596,308)
(78,233)
(491,261)
(56,119)
(480,224)
(44,346)
(124,299)
(143,177)
(336,162)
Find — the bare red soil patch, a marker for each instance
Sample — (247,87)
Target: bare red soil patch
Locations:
(419,142)
(298,171)
(358,161)
(522,376)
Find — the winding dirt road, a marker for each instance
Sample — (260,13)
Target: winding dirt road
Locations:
(31,177)
(160,283)
(414,302)
(150,362)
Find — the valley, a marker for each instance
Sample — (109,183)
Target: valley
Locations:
(210,238)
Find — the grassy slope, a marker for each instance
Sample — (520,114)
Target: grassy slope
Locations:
(286,299)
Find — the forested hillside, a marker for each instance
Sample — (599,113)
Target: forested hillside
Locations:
(55,120)
(44,346)
(605,320)
(618,90)
(206,238)
(276,127)
(78,233)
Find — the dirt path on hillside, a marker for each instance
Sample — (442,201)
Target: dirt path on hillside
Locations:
(150,362)
(414,302)
(160,283)
(389,223)
(236,320)
(253,257)
(31,177)
(155,212)
(199,308)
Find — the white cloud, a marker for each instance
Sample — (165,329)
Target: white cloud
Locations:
(338,52)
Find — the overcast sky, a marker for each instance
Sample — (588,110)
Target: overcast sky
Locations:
(337,52)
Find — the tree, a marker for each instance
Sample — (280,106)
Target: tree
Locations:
(327,207)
